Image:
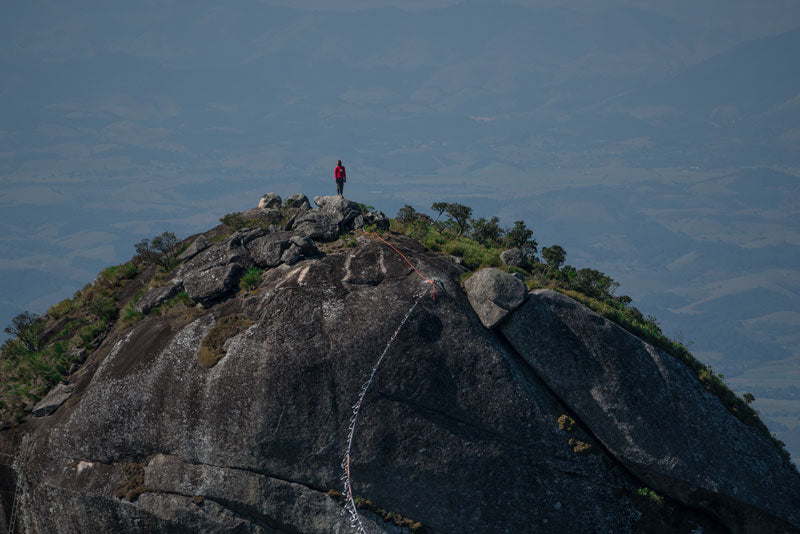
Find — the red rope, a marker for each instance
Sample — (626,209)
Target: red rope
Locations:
(428,280)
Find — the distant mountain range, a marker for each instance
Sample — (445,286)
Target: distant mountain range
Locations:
(661,150)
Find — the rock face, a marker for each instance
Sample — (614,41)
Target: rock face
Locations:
(340,210)
(55,398)
(158,296)
(513,257)
(628,393)
(530,427)
(494,294)
(317,225)
(197,246)
(270,200)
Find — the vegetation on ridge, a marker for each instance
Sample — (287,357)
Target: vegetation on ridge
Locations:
(46,349)
(478,243)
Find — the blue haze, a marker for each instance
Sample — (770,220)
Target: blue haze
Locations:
(657,142)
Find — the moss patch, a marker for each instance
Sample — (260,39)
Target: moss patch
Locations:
(211,350)
(388,516)
(134,482)
(580,447)
(566,423)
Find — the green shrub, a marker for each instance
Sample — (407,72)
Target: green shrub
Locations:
(252,279)
(162,250)
(62,309)
(115,275)
(87,334)
(650,495)
(29,377)
(129,316)
(234,221)
(103,307)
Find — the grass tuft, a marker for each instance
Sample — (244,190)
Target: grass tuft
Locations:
(211,348)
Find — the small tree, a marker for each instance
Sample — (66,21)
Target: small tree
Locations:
(27,327)
(460,215)
(439,208)
(594,283)
(520,236)
(406,214)
(161,250)
(487,232)
(554,256)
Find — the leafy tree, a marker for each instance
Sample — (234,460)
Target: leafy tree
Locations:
(520,236)
(161,250)
(406,214)
(594,283)
(439,208)
(27,327)
(488,232)
(566,275)
(460,215)
(554,256)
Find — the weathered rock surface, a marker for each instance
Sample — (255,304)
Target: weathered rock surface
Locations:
(317,225)
(298,201)
(197,246)
(377,218)
(340,210)
(653,415)
(53,400)
(158,296)
(267,251)
(494,294)
(458,430)
(270,200)
(212,285)
(513,257)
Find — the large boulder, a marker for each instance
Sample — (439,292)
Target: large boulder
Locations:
(270,200)
(158,296)
(212,285)
(317,225)
(232,250)
(341,211)
(513,257)
(255,443)
(494,294)
(378,218)
(458,429)
(197,246)
(266,251)
(298,201)
(653,415)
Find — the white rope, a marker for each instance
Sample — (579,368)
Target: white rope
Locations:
(22,460)
(350,503)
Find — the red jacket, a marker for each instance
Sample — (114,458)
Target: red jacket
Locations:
(339,173)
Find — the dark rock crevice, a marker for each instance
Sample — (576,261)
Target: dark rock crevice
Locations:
(239,511)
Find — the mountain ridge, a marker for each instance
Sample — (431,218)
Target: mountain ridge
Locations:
(458,413)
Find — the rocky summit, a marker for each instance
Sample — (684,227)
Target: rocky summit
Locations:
(494,410)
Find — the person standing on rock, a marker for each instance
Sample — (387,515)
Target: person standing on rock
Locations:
(341,177)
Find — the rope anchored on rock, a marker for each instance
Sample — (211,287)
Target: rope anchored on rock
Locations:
(350,504)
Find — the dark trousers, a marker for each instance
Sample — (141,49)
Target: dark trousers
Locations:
(339,186)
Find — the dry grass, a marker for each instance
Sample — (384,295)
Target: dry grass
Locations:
(211,350)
